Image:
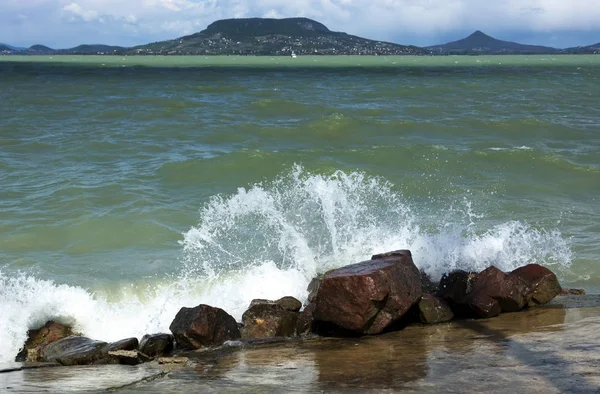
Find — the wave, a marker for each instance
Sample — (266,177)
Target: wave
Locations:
(269,240)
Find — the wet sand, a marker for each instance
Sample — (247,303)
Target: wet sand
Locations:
(550,349)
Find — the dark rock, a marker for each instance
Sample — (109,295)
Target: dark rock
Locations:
(427,284)
(127,357)
(369,296)
(268,319)
(304,325)
(433,310)
(511,292)
(123,344)
(455,286)
(287,303)
(203,325)
(541,280)
(156,344)
(74,350)
(38,339)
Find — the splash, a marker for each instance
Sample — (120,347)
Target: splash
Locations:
(269,240)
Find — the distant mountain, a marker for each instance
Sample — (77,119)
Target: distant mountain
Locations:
(266,36)
(97,49)
(590,49)
(40,50)
(481,43)
(10,47)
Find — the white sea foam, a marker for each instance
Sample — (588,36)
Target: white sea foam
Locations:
(268,241)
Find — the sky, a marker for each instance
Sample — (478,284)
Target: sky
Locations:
(68,23)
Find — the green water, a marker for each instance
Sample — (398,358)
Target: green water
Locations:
(125,172)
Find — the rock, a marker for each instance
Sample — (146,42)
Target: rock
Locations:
(433,310)
(38,339)
(369,296)
(572,291)
(483,305)
(203,325)
(268,319)
(123,344)
(510,291)
(127,357)
(313,288)
(74,350)
(156,344)
(455,288)
(287,303)
(541,280)
(427,284)
(304,325)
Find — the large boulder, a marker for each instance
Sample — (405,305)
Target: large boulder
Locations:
(75,350)
(510,291)
(543,283)
(369,296)
(433,310)
(202,326)
(266,318)
(455,288)
(38,339)
(155,345)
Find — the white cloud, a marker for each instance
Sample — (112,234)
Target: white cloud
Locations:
(379,19)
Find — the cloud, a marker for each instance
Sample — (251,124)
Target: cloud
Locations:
(140,21)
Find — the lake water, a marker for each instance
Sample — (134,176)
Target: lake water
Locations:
(133,186)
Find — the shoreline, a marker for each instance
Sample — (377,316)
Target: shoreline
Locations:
(551,348)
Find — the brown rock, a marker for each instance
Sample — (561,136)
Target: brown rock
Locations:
(433,310)
(202,326)
(287,303)
(156,344)
(127,357)
(268,320)
(74,350)
(455,288)
(572,291)
(123,344)
(483,305)
(541,280)
(511,292)
(304,325)
(38,339)
(367,297)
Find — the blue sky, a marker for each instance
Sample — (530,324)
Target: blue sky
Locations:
(67,23)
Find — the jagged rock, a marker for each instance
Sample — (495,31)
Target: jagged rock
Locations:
(38,339)
(266,319)
(156,344)
(455,286)
(541,280)
(313,288)
(369,296)
(202,326)
(510,291)
(433,310)
(74,350)
(123,344)
(483,305)
(127,357)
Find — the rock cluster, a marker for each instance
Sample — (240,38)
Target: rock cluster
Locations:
(367,298)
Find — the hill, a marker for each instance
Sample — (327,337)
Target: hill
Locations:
(96,49)
(266,36)
(590,49)
(481,43)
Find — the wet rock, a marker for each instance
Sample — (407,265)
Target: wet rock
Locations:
(304,325)
(313,288)
(202,326)
(156,345)
(433,310)
(269,319)
(510,291)
(455,288)
(483,305)
(369,296)
(541,280)
(127,357)
(287,303)
(38,339)
(572,291)
(74,350)
(427,284)
(123,344)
